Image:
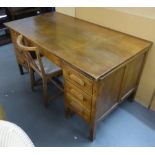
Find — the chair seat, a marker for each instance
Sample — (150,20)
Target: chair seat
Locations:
(37,63)
(49,67)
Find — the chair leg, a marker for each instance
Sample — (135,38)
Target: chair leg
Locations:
(68,113)
(32,77)
(21,69)
(45,92)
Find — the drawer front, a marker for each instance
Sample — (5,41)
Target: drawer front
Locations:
(19,55)
(78,79)
(78,101)
(81,96)
(77,107)
(51,57)
(14,36)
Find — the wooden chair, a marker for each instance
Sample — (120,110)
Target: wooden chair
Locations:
(43,67)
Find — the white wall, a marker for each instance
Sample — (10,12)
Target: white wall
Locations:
(66,10)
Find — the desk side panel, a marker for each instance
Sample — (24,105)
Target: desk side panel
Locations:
(108,92)
(132,74)
(118,85)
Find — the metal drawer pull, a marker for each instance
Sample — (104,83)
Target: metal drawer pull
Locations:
(76,79)
(76,94)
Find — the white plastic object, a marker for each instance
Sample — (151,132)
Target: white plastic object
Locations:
(11,135)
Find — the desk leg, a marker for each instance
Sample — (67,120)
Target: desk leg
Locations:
(92,131)
(21,69)
(132,96)
(68,113)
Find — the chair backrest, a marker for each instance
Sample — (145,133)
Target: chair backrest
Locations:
(26,50)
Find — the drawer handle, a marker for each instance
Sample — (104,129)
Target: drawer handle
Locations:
(76,94)
(76,79)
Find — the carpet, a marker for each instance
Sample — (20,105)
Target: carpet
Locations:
(130,124)
(2,113)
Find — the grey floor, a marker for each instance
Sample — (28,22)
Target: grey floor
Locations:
(129,125)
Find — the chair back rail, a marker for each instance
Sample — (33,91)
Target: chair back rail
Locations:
(26,51)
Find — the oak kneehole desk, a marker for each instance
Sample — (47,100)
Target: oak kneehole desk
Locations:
(101,67)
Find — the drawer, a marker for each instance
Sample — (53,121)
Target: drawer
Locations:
(78,101)
(14,36)
(77,107)
(20,56)
(52,58)
(79,95)
(78,79)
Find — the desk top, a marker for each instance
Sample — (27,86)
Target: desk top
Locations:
(93,49)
